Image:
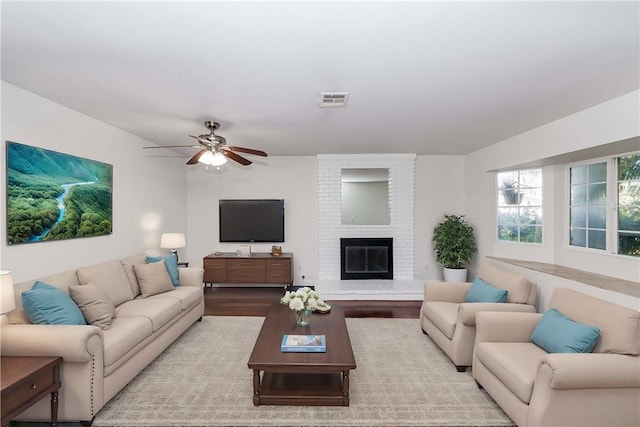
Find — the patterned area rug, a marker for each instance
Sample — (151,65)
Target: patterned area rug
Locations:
(402,379)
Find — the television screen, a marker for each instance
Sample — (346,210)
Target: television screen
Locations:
(252,220)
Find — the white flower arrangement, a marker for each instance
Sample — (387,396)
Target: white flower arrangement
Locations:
(302,299)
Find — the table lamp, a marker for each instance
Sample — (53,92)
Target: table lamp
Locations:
(7,303)
(173,241)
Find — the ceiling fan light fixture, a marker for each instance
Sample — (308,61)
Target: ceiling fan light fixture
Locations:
(213,159)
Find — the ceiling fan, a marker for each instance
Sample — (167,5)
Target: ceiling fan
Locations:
(214,149)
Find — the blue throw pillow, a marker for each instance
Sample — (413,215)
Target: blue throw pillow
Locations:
(556,333)
(481,291)
(47,305)
(171,262)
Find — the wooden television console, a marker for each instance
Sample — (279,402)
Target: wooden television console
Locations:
(259,267)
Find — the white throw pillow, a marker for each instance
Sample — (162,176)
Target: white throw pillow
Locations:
(96,307)
(153,278)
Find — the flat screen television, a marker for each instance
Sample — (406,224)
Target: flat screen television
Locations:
(252,221)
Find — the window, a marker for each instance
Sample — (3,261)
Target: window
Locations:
(601,186)
(629,204)
(588,215)
(520,206)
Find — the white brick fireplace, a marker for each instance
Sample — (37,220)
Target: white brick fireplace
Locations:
(401,206)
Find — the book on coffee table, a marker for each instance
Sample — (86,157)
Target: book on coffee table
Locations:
(303,344)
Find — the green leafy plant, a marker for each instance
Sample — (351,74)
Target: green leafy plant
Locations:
(511,194)
(454,242)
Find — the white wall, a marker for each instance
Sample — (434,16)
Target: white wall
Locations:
(293,179)
(439,187)
(148,187)
(614,120)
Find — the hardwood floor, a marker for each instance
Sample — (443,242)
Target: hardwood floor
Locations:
(255,301)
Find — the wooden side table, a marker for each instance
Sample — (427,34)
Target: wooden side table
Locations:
(25,380)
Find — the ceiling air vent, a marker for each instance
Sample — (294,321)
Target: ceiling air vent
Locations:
(334,99)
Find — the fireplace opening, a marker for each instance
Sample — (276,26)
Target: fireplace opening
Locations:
(366,258)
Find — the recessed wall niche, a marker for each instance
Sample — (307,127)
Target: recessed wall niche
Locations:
(401,211)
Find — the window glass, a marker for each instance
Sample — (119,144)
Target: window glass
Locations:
(520,206)
(588,215)
(629,204)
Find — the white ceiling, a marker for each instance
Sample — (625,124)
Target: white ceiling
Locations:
(423,77)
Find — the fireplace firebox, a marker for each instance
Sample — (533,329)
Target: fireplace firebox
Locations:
(366,258)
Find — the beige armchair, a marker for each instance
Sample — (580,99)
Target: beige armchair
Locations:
(451,322)
(536,388)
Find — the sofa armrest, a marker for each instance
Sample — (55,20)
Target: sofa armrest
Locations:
(590,370)
(191,276)
(468,310)
(446,292)
(72,342)
(492,326)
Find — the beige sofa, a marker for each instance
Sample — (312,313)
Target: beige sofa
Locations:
(536,388)
(98,363)
(451,322)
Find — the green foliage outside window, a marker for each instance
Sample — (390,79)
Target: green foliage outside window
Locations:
(629,205)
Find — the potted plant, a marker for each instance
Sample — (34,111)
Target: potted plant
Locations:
(455,245)
(511,195)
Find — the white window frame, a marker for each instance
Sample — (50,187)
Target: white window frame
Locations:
(611,206)
(497,208)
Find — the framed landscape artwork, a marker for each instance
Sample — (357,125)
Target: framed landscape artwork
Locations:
(55,196)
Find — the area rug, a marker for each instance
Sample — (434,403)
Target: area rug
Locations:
(402,379)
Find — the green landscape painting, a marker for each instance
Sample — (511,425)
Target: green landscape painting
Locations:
(55,196)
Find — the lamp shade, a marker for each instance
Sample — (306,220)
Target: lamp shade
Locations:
(7,302)
(173,241)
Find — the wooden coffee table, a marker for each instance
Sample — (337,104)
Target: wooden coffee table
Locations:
(303,379)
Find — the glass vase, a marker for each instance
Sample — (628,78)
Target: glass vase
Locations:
(303,317)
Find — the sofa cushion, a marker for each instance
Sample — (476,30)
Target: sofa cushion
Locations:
(515,364)
(171,264)
(481,291)
(48,305)
(442,314)
(153,278)
(518,286)
(158,311)
(556,333)
(111,277)
(125,333)
(619,326)
(188,296)
(97,308)
(128,263)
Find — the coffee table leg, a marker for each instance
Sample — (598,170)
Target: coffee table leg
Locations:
(54,408)
(345,388)
(256,387)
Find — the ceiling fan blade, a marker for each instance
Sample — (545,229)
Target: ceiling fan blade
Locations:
(237,158)
(194,159)
(248,151)
(200,139)
(173,146)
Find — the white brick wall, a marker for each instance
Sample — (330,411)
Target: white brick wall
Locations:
(401,205)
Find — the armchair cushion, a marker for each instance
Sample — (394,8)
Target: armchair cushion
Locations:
(481,291)
(556,333)
(518,286)
(443,315)
(47,305)
(515,364)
